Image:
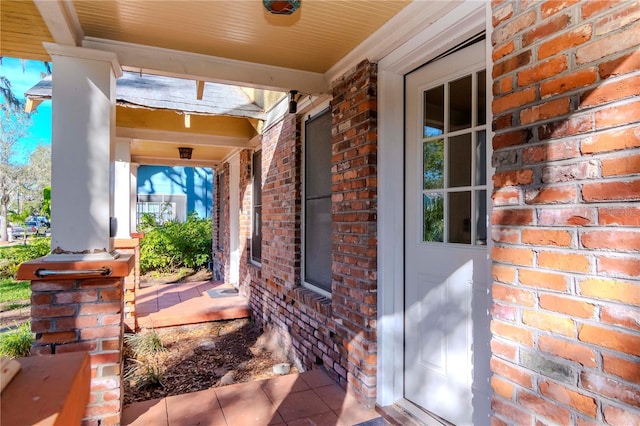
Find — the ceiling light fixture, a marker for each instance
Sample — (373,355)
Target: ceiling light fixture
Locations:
(281,7)
(293,101)
(185,152)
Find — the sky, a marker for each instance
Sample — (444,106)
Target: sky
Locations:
(22,79)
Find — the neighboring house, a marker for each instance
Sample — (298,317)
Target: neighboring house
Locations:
(451,224)
(172,193)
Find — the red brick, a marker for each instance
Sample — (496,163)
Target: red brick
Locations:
(617,115)
(561,150)
(504,350)
(570,262)
(567,350)
(102,409)
(625,369)
(76,322)
(544,111)
(610,339)
(621,165)
(542,31)
(505,274)
(591,8)
(516,256)
(505,235)
(51,286)
(38,326)
(619,66)
(502,387)
(512,332)
(506,196)
(511,372)
(611,92)
(105,358)
(99,332)
(507,30)
(48,311)
(549,322)
(575,124)
(565,41)
(504,312)
(77,347)
(545,408)
(578,401)
(100,308)
(567,82)
(540,279)
(610,388)
(606,289)
(512,217)
(504,140)
(500,52)
(542,71)
(619,266)
(503,86)
(501,14)
(565,305)
(611,191)
(57,337)
(551,195)
(76,297)
(611,240)
(621,216)
(618,19)
(621,316)
(514,100)
(546,237)
(607,46)
(513,178)
(570,172)
(112,294)
(612,140)
(41,298)
(551,7)
(510,411)
(620,417)
(513,295)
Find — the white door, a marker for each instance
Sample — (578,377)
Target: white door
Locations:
(446,258)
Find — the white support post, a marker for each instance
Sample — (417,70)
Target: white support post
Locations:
(122,190)
(83,128)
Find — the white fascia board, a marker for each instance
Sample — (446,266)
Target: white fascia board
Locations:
(55,49)
(195,66)
(393,34)
(62,21)
(175,137)
(141,160)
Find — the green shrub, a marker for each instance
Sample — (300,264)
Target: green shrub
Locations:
(16,343)
(174,245)
(144,343)
(12,256)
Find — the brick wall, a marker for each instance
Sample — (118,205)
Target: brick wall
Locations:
(337,333)
(566,323)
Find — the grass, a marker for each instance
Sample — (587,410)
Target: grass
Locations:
(16,343)
(13,292)
(145,343)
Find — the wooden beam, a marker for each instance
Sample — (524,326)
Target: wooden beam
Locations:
(61,20)
(31,105)
(199,89)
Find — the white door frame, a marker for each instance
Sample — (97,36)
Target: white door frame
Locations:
(234,219)
(468,19)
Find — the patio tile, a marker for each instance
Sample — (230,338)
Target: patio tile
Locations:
(302,404)
(353,413)
(196,408)
(324,419)
(246,404)
(278,388)
(152,412)
(332,395)
(316,378)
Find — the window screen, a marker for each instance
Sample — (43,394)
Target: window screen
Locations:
(317,201)
(256,232)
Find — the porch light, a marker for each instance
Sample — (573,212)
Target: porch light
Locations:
(293,101)
(185,152)
(281,7)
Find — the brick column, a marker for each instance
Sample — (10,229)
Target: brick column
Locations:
(132,281)
(74,312)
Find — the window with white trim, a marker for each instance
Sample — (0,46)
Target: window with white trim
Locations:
(256,207)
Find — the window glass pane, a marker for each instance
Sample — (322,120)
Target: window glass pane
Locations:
(433,112)
(460,104)
(460,217)
(256,224)
(257,178)
(481,218)
(318,242)
(318,156)
(481,158)
(482,100)
(256,235)
(433,217)
(433,164)
(460,160)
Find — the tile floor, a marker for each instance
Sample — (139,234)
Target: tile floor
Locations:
(310,398)
(165,305)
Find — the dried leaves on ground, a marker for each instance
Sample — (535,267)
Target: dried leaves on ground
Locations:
(198,358)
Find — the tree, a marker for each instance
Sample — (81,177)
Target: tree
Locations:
(14,124)
(36,178)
